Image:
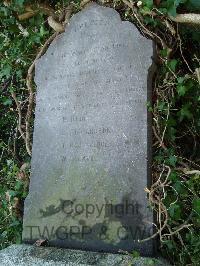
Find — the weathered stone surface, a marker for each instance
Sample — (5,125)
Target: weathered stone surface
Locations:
(90,146)
(25,255)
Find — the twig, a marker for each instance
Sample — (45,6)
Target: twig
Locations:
(163,135)
(58,27)
(192,172)
(19,115)
(68,13)
(197,70)
(179,229)
(158,138)
(180,46)
(183,158)
(84,2)
(156,199)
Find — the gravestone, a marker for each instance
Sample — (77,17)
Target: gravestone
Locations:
(90,159)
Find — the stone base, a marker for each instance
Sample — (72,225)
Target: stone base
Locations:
(27,255)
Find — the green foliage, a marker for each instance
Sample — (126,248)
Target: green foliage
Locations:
(10,190)
(179,114)
(176,108)
(135,254)
(193,5)
(170,6)
(19,44)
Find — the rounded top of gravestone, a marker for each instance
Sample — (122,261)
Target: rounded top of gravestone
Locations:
(104,23)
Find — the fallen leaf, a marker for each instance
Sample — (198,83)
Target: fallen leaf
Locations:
(26,15)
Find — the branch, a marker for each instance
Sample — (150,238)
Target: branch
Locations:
(58,27)
(187,18)
(84,3)
(197,70)
(19,115)
(159,139)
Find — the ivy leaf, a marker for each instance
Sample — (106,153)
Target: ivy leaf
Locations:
(3,234)
(178,2)
(181,89)
(193,5)
(19,2)
(171,132)
(173,176)
(7,102)
(14,223)
(175,211)
(18,185)
(170,244)
(172,160)
(162,106)
(149,107)
(43,32)
(172,64)
(12,193)
(185,112)
(180,188)
(148,3)
(164,53)
(196,206)
(172,6)
(6,71)
(180,80)
(172,10)
(135,254)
